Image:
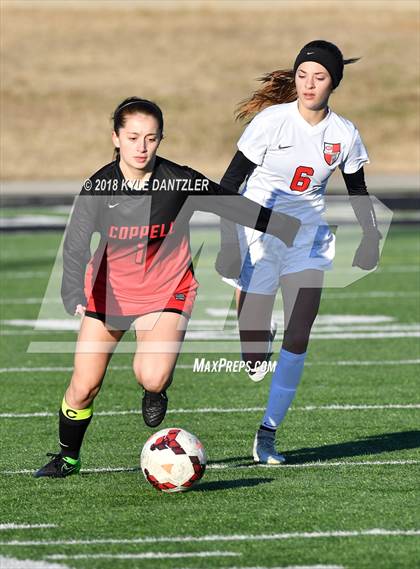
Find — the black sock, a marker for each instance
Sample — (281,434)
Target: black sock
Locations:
(71,434)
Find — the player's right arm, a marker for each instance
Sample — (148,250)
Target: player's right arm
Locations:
(76,251)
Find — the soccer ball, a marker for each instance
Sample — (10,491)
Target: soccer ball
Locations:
(172,460)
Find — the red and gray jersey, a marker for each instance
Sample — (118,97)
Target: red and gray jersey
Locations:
(144,249)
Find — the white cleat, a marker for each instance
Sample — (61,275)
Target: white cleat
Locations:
(259,372)
(264,451)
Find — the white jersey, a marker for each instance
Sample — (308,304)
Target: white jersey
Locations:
(294,159)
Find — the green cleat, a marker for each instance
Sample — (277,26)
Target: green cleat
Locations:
(59,467)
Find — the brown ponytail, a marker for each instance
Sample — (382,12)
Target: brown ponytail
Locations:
(278,87)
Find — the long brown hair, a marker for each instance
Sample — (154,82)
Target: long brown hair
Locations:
(278,87)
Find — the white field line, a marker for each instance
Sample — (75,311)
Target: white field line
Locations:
(333,295)
(203,270)
(374,532)
(206,297)
(217,325)
(331,407)
(335,464)
(209,335)
(372,294)
(12,563)
(4,527)
(191,366)
(146,555)
(192,336)
(343,270)
(227,466)
(287,567)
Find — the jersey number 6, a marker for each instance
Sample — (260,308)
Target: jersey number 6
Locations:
(302,178)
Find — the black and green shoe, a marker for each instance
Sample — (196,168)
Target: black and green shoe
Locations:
(59,467)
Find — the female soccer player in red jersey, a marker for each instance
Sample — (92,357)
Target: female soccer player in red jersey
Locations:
(286,155)
(141,271)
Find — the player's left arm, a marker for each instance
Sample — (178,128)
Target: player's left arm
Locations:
(228,262)
(367,254)
(228,204)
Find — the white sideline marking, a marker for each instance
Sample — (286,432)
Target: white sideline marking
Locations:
(211,326)
(147,555)
(371,294)
(226,297)
(191,366)
(342,319)
(12,563)
(193,335)
(210,538)
(26,526)
(288,567)
(226,466)
(365,362)
(333,295)
(36,369)
(332,407)
(364,336)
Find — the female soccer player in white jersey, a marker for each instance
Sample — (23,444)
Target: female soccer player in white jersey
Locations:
(286,155)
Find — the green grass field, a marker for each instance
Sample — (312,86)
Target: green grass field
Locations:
(351,439)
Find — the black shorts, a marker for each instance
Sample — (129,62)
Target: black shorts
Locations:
(125,322)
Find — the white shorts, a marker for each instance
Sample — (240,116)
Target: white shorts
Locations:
(265,258)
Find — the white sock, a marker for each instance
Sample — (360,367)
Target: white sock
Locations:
(285,381)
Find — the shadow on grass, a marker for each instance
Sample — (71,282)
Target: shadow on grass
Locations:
(368,446)
(376,444)
(230,484)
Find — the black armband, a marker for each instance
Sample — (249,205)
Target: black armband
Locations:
(238,170)
(355,183)
(361,202)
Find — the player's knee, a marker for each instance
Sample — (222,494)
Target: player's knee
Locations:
(81,394)
(153,380)
(296,340)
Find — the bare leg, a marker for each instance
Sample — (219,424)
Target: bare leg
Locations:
(158,348)
(89,368)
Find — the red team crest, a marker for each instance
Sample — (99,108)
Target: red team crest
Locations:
(331,152)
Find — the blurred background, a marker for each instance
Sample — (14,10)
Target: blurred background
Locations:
(65,65)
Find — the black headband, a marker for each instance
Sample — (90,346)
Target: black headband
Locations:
(333,63)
